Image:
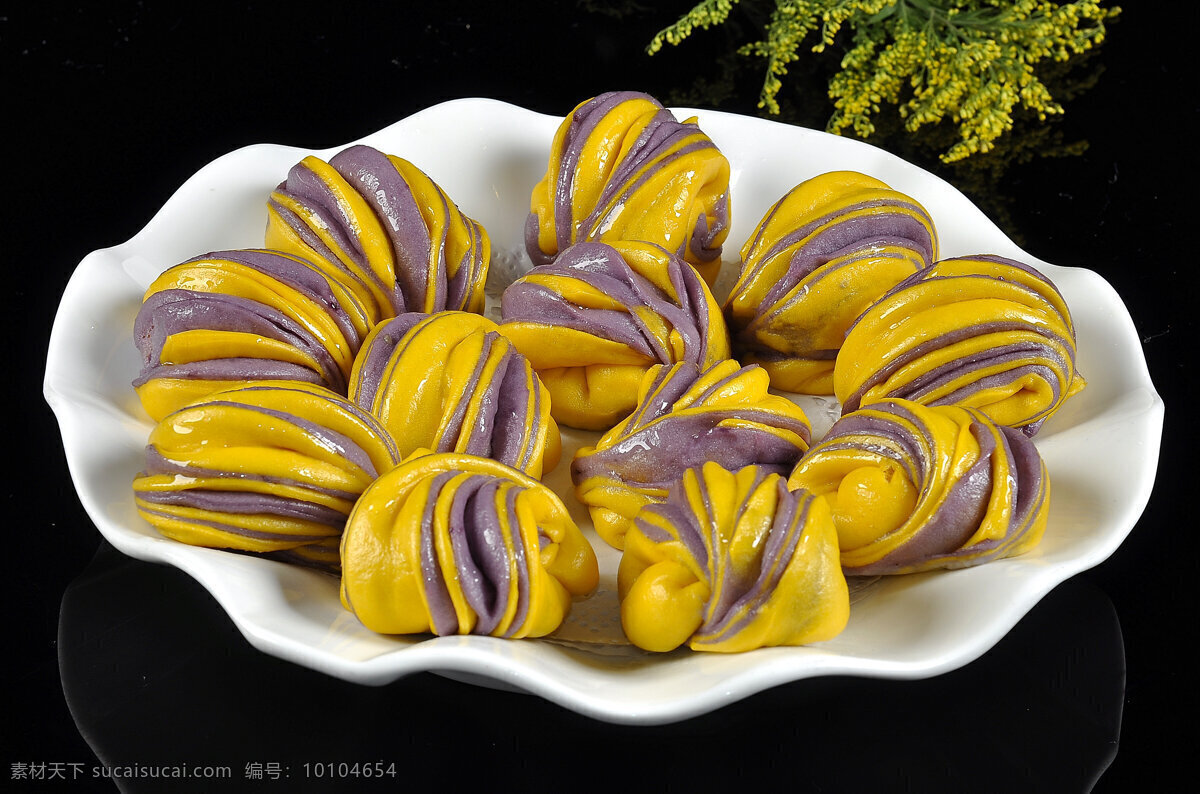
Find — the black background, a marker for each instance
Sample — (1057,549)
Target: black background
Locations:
(123,662)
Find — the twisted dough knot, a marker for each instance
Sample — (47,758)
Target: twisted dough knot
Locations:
(684,418)
(593,322)
(819,257)
(219,320)
(268,467)
(450,543)
(623,168)
(732,562)
(392,234)
(914,487)
(983,331)
(449,382)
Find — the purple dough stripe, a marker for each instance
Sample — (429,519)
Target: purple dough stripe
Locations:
(313,241)
(478,436)
(742,607)
(229,529)
(481,568)
(437,597)
(305,187)
(243,503)
(375,178)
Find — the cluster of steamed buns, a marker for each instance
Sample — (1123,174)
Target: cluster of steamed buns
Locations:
(337,398)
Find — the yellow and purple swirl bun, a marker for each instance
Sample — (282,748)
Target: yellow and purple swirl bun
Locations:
(602,314)
(448,543)
(229,317)
(731,562)
(267,467)
(684,418)
(914,488)
(820,256)
(387,227)
(983,331)
(623,168)
(448,382)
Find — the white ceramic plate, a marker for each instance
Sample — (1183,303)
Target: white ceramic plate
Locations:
(488,155)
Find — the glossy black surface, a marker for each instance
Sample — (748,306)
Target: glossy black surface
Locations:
(120,662)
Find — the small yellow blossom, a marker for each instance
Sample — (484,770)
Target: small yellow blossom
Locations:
(970,61)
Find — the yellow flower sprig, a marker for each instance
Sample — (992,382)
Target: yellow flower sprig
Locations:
(972,62)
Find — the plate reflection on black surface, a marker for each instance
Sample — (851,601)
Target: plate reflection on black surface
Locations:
(154,672)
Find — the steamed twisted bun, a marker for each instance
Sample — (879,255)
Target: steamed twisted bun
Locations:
(915,487)
(231,317)
(449,543)
(269,467)
(820,256)
(593,322)
(982,331)
(684,418)
(449,382)
(732,562)
(387,227)
(623,168)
